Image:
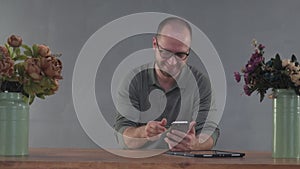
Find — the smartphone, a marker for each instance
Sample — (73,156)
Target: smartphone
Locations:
(180,125)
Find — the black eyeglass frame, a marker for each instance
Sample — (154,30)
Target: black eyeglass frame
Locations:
(177,54)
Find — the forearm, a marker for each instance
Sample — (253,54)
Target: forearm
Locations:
(205,142)
(134,137)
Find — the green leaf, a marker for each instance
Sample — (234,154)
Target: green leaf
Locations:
(35,50)
(45,82)
(10,49)
(31,99)
(21,57)
(20,68)
(18,51)
(293,59)
(277,62)
(262,96)
(48,92)
(36,88)
(28,89)
(25,98)
(26,47)
(7,46)
(41,96)
(28,52)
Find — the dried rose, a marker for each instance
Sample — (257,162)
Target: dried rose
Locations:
(55,88)
(285,62)
(296,79)
(4,51)
(44,50)
(6,67)
(14,41)
(32,67)
(52,67)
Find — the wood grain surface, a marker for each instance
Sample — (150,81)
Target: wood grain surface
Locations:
(62,158)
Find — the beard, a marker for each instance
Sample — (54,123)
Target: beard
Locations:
(168,70)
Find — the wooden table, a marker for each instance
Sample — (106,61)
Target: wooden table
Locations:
(57,158)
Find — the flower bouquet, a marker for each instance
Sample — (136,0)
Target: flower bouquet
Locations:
(276,73)
(33,71)
(25,73)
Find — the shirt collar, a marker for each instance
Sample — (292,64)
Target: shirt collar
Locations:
(182,78)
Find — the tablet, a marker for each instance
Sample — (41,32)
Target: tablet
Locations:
(206,153)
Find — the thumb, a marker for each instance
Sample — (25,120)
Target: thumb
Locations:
(163,122)
(192,128)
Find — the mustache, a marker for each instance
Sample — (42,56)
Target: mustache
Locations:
(168,70)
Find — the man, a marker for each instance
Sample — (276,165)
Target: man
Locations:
(170,75)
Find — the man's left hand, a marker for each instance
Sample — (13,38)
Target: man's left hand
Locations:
(180,141)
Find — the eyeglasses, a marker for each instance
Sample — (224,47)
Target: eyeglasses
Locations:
(166,54)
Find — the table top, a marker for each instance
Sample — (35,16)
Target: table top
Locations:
(63,158)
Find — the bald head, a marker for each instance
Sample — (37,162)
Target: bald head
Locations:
(175,28)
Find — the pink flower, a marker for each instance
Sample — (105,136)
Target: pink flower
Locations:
(44,50)
(6,67)
(52,67)
(261,47)
(246,78)
(285,62)
(237,76)
(32,67)
(3,52)
(55,87)
(249,68)
(247,90)
(14,41)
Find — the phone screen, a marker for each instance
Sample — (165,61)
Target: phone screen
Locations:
(180,125)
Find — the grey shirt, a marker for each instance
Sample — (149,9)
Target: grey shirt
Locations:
(141,99)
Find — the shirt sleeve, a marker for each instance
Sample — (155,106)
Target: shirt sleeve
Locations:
(207,116)
(126,103)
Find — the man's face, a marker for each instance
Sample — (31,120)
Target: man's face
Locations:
(171,53)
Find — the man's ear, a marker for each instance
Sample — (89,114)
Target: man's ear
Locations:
(154,43)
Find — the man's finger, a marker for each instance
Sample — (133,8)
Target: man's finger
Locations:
(170,143)
(159,128)
(163,122)
(179,147)
(174,146)
(174,137)
(192,127)
(178,133)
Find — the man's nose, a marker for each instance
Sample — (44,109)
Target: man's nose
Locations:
(172,60)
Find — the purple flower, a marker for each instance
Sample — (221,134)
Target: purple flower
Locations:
(237,76)
(254,56)
(253,63)
(247,90)
(246,78)
(258,60)
(261,47)
(249,68)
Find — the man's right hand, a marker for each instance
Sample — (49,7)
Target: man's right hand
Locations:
(154,129)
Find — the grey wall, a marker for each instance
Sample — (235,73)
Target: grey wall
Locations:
(65,25)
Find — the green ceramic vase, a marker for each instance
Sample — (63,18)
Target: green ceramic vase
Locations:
(286,124)
(14,125)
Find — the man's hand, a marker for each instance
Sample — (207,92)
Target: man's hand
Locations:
(135,137)
(180,141)
(154,129)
